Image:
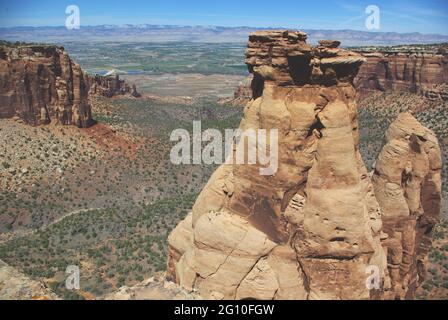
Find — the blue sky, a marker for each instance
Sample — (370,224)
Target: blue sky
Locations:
(430,16)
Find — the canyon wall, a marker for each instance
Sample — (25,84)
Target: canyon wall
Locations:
(313,229)
(422,73)
(41,84)
(415,72)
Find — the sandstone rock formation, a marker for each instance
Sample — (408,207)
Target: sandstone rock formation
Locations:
(407,184)
(41,84)
(311,226)
(110,86)
(422,73)
(312,230)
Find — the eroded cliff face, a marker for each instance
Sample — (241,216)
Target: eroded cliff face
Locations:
(422,73)
(314,229)
(41,84)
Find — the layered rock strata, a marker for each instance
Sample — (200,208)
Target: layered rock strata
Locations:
(414,72)
(41,84)
(425,74)
(311,226)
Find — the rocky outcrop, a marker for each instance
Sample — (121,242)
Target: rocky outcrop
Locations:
(414,72)
(153,288)
(423,73)
(407,184)
(314,224)
(16,286)
(110,86)
(41,84)
(313,229)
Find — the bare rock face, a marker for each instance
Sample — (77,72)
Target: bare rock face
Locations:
(309,231)
(110,86)
(407,184)
(41,84)
(286,59)
(314,228)
(422,73)
(153,289)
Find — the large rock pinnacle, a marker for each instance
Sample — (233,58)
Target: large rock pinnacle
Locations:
(312,230)
(407,183)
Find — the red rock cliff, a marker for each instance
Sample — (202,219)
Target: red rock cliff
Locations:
(422,73)
(41,84)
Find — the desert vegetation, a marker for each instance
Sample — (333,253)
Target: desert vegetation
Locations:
(103,198)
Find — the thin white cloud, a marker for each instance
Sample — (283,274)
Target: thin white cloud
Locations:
(350,7)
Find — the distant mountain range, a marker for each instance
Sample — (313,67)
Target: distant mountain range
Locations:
(207,34)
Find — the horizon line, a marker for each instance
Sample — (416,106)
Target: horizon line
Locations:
(225,27)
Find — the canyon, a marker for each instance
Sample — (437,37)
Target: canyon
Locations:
(316,227)
(342,204)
